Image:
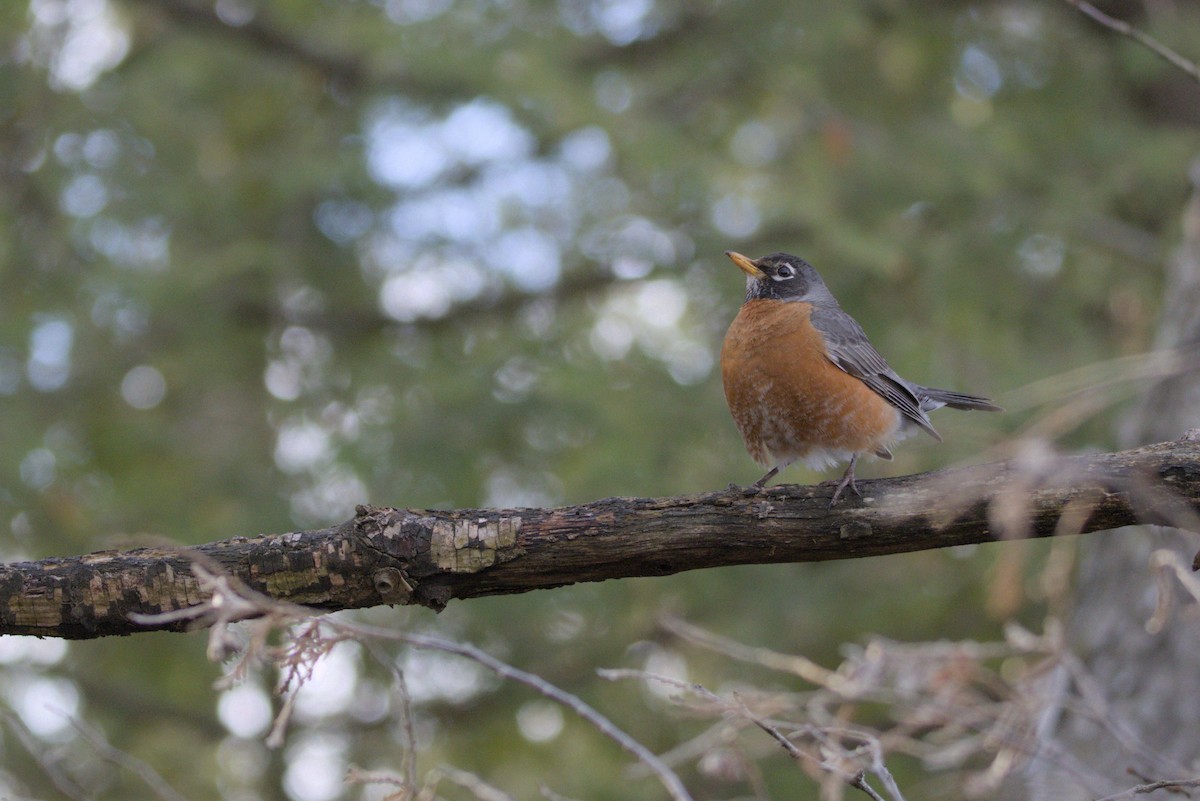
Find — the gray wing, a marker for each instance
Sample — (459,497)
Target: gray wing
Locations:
(849,349)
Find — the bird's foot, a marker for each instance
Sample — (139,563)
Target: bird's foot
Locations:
(758,487)
(846,481)
(762,482)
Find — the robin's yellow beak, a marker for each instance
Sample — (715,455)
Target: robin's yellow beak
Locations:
(745,265)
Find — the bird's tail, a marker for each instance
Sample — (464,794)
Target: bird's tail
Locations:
(934,398)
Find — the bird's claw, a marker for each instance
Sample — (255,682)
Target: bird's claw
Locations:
(847,481)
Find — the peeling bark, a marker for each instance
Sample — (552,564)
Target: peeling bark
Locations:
(413,556)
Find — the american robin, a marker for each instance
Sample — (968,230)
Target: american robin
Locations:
(803,382)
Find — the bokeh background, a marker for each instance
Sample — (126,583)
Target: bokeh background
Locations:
(262,261)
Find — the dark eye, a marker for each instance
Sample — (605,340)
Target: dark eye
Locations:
(786,271)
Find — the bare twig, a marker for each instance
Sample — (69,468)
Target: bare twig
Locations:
(949,706)
(860,782)
(829,738)
(142,770)
(1125,29)
(51,767)
(1111,376)
(278,733)
(550,795)
(228,593)
(947,703)
(664,773)
(879,768)
(804,668)
(409,737)
(1142,789)
(356,775)
(1165,563)
(475,785)
(787,745)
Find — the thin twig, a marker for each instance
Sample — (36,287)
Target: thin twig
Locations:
(234,594)
(859,782)
(794,752)
(798,665)
(408,735)
(880,769)
(550,795)
(827,736)
(613,674)
(142,770)
(357,775)
(668,777)
(1164,562)
(723,733)
(50,766)
(278,731)
(1179,784)
(1145,39)
(469,781)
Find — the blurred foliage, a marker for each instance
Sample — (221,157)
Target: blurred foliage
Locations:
(261,261)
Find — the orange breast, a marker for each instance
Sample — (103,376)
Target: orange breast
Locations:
(788,400)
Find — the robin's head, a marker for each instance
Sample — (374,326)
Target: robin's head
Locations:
(781,276)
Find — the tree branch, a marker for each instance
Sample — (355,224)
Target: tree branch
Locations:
(416,556)
(1180,785)
(1125,29)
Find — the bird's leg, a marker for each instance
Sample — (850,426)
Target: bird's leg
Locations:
(762,482)
(847,481)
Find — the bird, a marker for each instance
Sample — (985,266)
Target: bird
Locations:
(804,383)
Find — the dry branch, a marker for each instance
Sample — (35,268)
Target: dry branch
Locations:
(1159,49)
(425,557)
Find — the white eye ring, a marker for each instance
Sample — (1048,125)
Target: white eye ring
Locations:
(786,271)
